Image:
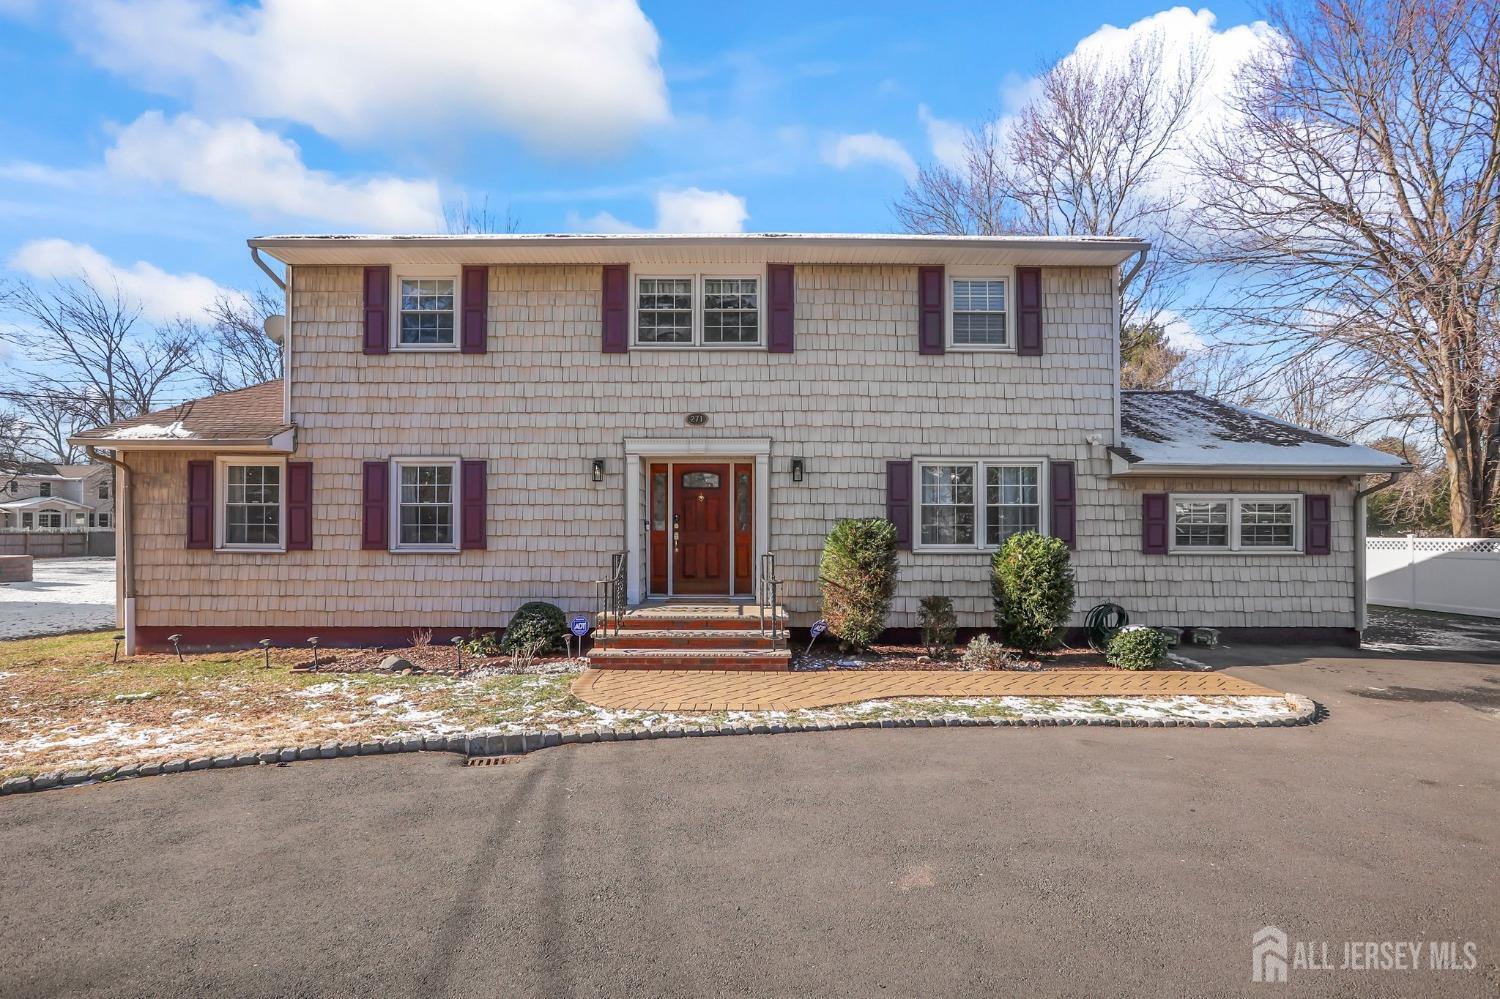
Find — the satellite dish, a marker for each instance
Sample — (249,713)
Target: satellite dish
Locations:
(275,327)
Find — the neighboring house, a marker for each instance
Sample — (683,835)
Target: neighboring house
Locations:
(468,423)
(46,497)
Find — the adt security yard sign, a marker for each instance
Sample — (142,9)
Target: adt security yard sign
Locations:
(579,625)
(818,627)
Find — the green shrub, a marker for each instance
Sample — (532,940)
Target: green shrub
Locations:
(1031,579)
(1136,647)
(481,644)
(939,625)
(982,653)
(553,625)
(526,639)
(858,578)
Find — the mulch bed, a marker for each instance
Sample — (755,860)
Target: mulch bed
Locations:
(914,657)
(430,659)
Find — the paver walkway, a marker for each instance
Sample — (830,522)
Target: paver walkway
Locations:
(710,690)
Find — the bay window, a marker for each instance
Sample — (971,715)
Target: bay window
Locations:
(975,505)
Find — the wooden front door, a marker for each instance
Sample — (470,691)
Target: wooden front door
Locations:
(700,557)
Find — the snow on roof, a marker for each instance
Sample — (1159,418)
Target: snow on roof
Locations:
(1184,430)
(36,501)
(245,416)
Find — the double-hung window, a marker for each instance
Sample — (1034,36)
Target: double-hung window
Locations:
(44,489)
(426,312)
(980,318)
(1236,523)
(706,310)
(253,504)
(974,505)
(426,511)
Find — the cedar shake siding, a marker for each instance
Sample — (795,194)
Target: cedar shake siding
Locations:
(551,388)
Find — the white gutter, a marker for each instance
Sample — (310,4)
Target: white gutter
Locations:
(1120,467)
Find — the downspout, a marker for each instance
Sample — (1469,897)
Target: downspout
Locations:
(125,521)
(1140,261)
(1360,554)
(255,256)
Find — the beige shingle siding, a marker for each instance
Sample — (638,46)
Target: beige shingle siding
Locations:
(544,400)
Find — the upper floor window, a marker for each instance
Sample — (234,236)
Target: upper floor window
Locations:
(1248,523)
(976,505)
(252,506)
(45,489)
(426,313)
(703,309)
(104,490)
(979,315)
(13,487)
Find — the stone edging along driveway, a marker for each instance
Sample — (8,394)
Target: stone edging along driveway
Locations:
(492,744)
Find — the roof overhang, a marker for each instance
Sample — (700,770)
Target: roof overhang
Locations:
(1122,467)
(35,502)
(728,248)
(284,442)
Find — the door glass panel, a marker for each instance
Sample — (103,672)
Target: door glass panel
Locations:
(700,480)
(658,501)
(742,502)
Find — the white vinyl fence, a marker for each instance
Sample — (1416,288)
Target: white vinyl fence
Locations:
(1457,575)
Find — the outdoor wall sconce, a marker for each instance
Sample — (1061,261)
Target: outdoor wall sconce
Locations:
(797,469)
(597,469)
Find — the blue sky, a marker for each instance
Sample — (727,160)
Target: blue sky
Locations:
(145,141)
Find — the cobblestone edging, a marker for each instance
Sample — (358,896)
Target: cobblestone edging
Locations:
(477,744)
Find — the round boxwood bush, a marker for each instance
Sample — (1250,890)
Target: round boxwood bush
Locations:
(1136,647)
(1031,580)
(551,619)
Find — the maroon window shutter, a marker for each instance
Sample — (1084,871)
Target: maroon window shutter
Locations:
(473,513)
(1029,311)
(930,336)
(377,310)
(781,328)
(1064,504)
(476,299)
(1318,523)
(299,506)
(898,500)
(616,309)
(1155,522)
(377,513)
(200,504)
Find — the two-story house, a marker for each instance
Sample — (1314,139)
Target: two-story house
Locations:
(467,423)
(41,496)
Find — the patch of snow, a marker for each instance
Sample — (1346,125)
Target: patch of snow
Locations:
(153,431)
(64,595)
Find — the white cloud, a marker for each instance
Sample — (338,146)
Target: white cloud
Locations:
(1180,333)
(688,210)
(1181,31)
(160,295)
(945,137)
(566,76)
(847,151)
(237,163)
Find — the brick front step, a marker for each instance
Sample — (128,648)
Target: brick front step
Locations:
(691,659)
(695,617)
(685,638)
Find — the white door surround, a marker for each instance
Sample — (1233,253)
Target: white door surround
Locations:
(640,451)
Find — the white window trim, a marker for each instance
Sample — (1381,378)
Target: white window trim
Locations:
(420,272)
(221,503)
(1006,274)
(1234,500)
(394,497)
(981,512)
(697,275)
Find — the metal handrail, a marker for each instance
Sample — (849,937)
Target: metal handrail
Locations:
(766,597)
(611,592)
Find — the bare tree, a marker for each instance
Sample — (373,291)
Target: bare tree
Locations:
(1355,197)
(49,417)
(464,217)
(235,351)
(1092,154)
(12,447)
(95,348)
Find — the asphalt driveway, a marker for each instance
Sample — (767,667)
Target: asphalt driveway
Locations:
(968,862)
